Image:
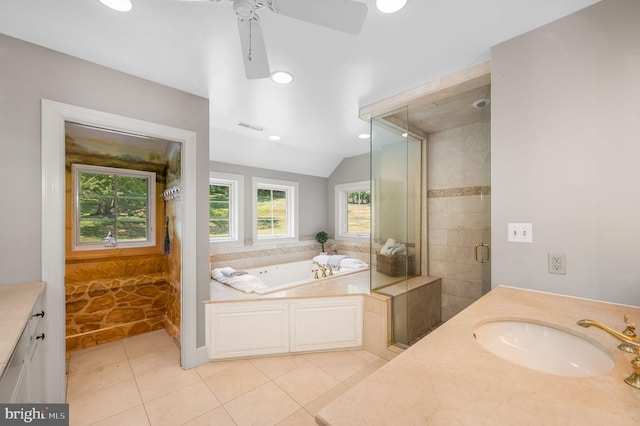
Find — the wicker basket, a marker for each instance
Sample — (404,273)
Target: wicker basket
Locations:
(396,265)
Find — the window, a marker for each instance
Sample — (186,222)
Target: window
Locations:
(113,202)
(225,208)
(353,207)
(276,209)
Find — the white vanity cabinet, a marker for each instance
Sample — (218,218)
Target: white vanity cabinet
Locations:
(21,380)
(266,327)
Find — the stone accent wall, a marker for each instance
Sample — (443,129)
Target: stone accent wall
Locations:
(113,298)
(104,310)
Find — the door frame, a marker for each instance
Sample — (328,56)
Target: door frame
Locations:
(54,115)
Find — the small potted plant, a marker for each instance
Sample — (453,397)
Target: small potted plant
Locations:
(322,238)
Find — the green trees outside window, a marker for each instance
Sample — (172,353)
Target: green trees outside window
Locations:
(112,201)
(219,211)
(359,212)
(272,212)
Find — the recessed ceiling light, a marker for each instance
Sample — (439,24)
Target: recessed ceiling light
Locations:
(390,6)
(364,136)
(274,138)
(119,5)
(281,77)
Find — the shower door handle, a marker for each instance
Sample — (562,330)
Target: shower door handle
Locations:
(482,259)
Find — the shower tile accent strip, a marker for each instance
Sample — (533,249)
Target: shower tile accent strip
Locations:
(459,192)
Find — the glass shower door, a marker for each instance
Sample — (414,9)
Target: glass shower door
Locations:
(396,212)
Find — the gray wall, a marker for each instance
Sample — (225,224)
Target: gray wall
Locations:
(351,169)
(313,196)
(29,73)
(565,150)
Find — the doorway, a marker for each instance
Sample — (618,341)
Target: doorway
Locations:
(54,117)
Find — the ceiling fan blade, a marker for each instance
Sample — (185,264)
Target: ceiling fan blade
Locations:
(342,15)
(254,52)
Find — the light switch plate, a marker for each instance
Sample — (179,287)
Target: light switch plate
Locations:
(520,232)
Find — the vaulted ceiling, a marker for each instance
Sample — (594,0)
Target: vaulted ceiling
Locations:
(194,46)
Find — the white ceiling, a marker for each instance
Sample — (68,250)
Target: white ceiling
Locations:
(194,47)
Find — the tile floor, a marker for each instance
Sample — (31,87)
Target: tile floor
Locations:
(137,381)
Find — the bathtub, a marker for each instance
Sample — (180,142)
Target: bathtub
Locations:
(284,276)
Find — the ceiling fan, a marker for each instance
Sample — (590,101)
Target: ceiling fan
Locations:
(342,15)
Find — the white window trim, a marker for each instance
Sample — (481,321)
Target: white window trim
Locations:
(236,204)
(292,209)
(341,210)
(151,204)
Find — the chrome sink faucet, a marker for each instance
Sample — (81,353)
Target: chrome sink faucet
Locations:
(628,339)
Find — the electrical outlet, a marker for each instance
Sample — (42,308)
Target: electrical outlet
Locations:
(520,232)
(557,263)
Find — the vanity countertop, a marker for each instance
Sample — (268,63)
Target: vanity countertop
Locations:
(448,378)
(16,304)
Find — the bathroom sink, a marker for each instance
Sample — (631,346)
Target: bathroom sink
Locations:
(543,348)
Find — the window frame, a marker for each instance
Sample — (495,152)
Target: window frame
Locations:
(341,209)
(291,189)
(236,207)
(78,168)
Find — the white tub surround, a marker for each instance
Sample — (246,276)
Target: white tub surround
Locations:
(324,314)
(449,378)
(247,329)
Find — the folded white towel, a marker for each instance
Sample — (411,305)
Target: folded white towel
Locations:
(321,259)
(239,280)
(334,261)
(227,271)
(386,249)
(350,262)
(391,248)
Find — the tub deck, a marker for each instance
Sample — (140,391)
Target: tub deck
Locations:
(351,284)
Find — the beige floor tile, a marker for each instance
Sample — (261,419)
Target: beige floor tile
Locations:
(314,406)
(213,367)
(104,403)
(276,366)
(96,356)
(340,365)
(159,381)
(299,418)
(87,381)
(181,405)
(217,417)
(306,383)
(366,355)
(136,416)
(366,371)
(265,405)
(147,342)
(164,357)
(235,381)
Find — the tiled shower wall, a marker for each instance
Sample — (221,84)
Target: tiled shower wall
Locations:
(459,204)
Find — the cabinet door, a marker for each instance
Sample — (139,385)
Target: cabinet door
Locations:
(247,329)
(328,323)
(35,366)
